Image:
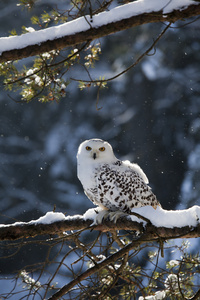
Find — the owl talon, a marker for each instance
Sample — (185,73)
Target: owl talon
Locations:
(111,215)
(100,216)
(115,215)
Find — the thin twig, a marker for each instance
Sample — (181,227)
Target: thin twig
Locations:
(196,296)
(132,65)
(112,258)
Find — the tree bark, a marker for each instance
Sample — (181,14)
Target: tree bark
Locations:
(152,233)
(101,31)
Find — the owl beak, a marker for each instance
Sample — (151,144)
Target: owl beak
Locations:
(94,154)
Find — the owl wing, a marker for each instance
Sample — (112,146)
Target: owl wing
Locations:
(137,169)
(123,189)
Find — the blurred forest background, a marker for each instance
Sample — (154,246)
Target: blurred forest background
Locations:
(150,115)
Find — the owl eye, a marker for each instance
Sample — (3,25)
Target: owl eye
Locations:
(88,148)
(102,149)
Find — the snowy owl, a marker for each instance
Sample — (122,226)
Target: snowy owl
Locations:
(110,183)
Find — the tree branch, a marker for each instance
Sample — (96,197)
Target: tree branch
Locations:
(132,65)
(149,234)
(30,229)
(110,259)
(98,31)
(195,297)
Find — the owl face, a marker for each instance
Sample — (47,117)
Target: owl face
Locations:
(96,150)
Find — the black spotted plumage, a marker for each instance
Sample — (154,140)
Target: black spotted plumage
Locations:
(118,189)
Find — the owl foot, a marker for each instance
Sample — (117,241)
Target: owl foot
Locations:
(115,215)
(103,214)
(106,214)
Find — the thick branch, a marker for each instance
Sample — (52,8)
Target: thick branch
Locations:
(26,230)
(99,31)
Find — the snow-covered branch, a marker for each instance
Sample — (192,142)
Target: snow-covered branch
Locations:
(153,224)
(112,262)
(86,29)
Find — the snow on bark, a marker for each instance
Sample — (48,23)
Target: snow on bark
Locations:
(85,23)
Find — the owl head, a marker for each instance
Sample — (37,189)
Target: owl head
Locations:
(95,150)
